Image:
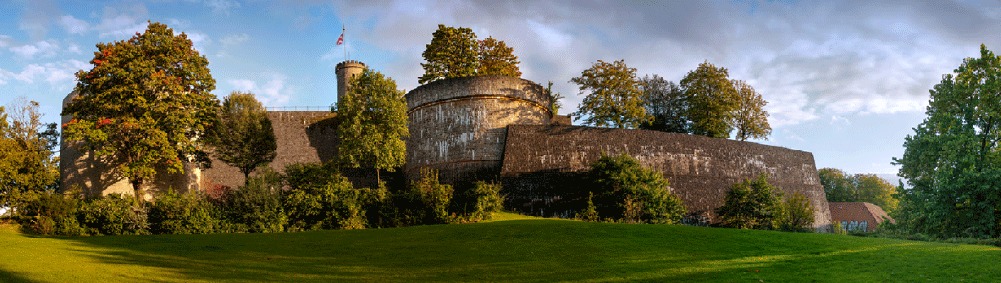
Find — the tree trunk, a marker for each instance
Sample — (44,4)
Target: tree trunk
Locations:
(137,190)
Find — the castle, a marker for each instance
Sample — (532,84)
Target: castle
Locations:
(501,128)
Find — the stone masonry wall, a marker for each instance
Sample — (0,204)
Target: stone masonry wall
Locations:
(458,126)
(302,137)
(540,161)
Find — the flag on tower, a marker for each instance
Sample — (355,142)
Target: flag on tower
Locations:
(340,40)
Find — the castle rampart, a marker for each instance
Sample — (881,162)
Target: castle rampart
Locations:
(458,126)
(541,161)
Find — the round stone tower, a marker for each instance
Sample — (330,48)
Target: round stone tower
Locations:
(345,71)
(458,126)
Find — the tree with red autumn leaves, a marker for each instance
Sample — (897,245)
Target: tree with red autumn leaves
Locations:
(145,106)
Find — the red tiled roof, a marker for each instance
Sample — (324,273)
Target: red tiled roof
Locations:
(847,212)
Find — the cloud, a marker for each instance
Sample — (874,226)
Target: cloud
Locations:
(42,48)
(273,92)
(222,6)
(809,60)
(198,39)
(37,16)
(234,39)
(59,75)
(122,22)
(73,25)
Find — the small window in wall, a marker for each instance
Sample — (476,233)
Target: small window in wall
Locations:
(864,226)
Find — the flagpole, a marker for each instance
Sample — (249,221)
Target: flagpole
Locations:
(345,46)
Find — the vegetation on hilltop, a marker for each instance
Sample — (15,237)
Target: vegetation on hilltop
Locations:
(454,52)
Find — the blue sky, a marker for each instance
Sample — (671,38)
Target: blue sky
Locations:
(844,80)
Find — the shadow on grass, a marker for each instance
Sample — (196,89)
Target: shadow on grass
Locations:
(537,250)
(7,276)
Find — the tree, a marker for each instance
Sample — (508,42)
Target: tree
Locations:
(145,105)
(613,96)
(797,214)
(667,103)
(496,58)
(952,160)
(841,187)
(452,53)
(750,119)
(837,185)
(751,204)
(625,190)
(373,124)
(712,100)
(244,137)
(26,147)
(554,99)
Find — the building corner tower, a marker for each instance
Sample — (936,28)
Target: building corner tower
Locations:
(345,72)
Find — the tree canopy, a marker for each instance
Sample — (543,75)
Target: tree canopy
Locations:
(842,187)
(373,123)
(952,161)
(454,52)
(666,102)
(244,137)
(613,98)
(496,58)
(27,162)
(145,105)
(712,100)
(750,119)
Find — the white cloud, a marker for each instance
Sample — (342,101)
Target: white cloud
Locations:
(42,48)
(273,92)
(234,39)
(73,25)
(59,75)
(122,22)
(222,6)
(200,40)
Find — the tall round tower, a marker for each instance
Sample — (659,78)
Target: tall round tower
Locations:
(458,126)
(345,71)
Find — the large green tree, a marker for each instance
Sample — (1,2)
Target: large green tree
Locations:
(750,118)
(496,58)
(145,105)
(244,137)
(667,103)
(613,98)
(842,187)
(712,100)
(26,147)
(452,53)
(952,161)
(373,124)
(623,189)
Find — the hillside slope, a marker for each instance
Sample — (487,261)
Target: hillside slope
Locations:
(516,250)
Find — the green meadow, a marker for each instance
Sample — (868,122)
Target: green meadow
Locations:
(513,249)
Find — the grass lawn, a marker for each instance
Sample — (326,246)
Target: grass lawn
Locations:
(516,249)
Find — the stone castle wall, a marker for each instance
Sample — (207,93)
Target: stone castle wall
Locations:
(540,161)
(458,126)
(301,136)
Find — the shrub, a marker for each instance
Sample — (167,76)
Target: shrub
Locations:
(190,213)
(114,215)
(330,202)
(590,213)
(624,190)
(50,213)
(256,207)
(488,200)
(751,204)
(427,200)
(797,214)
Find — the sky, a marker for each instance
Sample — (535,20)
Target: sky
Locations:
(845,80)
